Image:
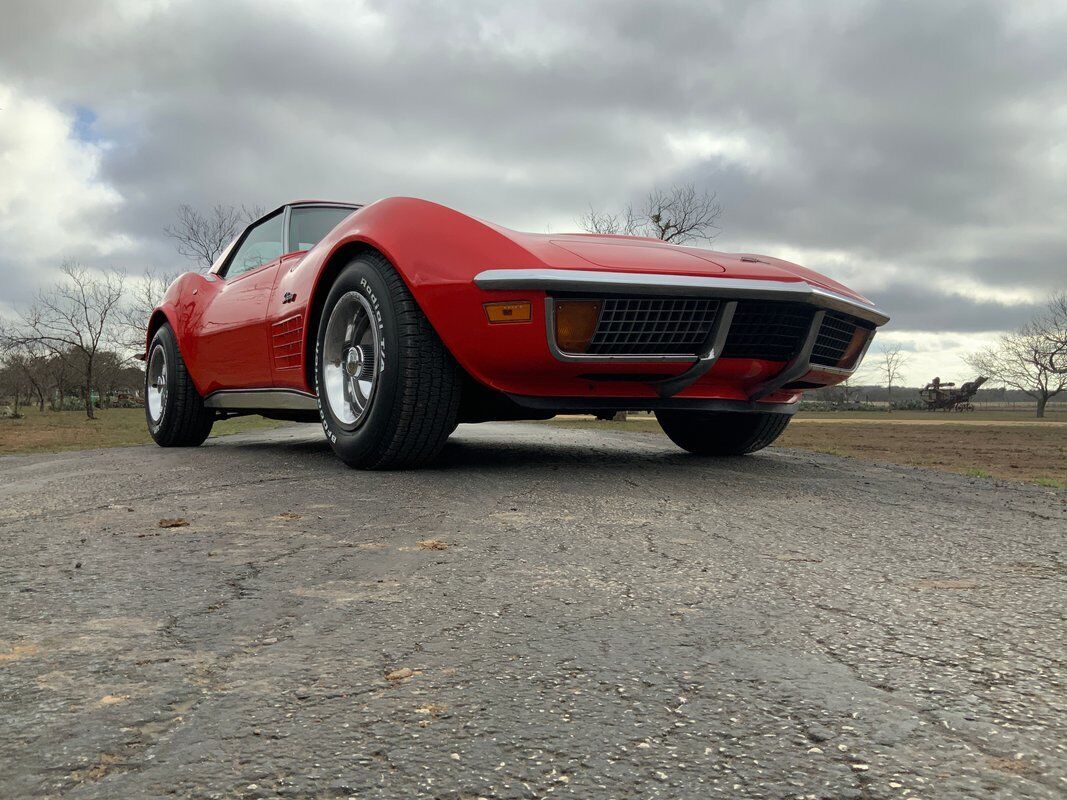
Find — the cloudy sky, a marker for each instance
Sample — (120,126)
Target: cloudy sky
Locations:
(916,151)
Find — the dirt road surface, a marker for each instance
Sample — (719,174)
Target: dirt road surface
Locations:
(551,612)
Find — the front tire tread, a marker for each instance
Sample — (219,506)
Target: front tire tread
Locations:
(186,422)
(425,399)
(722,433)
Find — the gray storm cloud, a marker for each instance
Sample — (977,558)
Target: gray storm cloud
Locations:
(914,150)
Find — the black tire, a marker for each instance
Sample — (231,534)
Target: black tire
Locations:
(722,433)
(414,404)
(183,421)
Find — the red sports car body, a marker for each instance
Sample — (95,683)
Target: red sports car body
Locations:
(536,324)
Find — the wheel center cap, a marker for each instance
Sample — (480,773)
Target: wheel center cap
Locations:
(354,361)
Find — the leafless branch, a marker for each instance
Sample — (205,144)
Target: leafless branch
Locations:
(1050,327)
(202,236)
(133,315)
(594,221)
(678,215)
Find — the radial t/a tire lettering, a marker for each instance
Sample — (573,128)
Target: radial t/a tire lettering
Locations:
(388,389)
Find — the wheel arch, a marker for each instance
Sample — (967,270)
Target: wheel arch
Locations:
(435,250)
(331,268)
(158,319)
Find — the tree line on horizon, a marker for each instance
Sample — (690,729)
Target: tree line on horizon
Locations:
(78,337)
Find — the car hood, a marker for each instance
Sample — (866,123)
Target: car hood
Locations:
(652,256)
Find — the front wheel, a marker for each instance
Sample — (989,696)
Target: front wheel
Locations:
(174,408)
(722,433)
(388,388)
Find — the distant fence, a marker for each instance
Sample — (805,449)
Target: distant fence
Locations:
(914,405)
(1019,406)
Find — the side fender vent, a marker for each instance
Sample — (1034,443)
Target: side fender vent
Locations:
(288,343)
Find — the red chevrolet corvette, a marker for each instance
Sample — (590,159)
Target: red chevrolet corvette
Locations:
(393,322)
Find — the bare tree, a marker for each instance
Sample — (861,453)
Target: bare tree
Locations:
(202,236)
(890,366)
(681,214)
(678,215)
(133,315)
(12,379)
(114,376)
(60,371)
(1051,327)
(1032,359)
(75,316)
(32,362)
(594,221)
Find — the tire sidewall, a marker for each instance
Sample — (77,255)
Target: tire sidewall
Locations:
(163,339)
(353,442)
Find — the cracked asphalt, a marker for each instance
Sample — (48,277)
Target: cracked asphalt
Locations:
(551,612)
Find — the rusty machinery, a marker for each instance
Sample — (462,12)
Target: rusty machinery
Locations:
(940,396)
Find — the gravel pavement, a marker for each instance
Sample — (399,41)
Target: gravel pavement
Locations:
(550,612)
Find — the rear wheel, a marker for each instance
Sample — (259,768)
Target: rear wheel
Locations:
(388,388)
(174,409)
(722,433)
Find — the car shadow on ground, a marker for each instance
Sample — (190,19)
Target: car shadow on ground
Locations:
(480,454)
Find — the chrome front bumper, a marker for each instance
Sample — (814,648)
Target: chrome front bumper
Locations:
(577,280)
(730,290)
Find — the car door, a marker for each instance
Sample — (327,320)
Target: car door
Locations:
(233,351)
(306,225)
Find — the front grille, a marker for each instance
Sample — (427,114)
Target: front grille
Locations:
(835,335)
(653,326)
(770,330)
(767,329)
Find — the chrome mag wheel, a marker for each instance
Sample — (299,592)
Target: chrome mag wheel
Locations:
(351,356)
(156,393)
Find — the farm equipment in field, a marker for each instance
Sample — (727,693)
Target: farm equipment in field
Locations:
(940,396)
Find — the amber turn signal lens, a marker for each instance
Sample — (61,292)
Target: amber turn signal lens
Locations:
(575,322)
(855,346)
(508,312)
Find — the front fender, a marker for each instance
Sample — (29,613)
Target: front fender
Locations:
(179,309)
(437,252)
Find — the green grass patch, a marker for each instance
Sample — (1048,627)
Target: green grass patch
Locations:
(1050,483)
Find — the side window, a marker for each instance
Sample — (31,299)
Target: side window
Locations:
(308,226)
(262,244)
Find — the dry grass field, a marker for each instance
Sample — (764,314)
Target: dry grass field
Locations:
(54,431)
(1011,445)
(1024,449)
